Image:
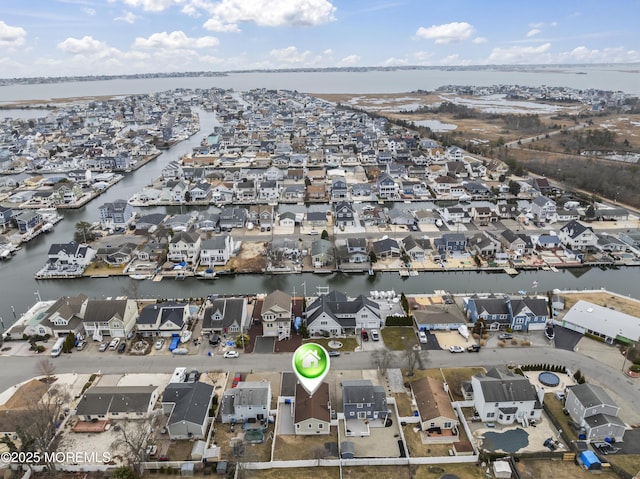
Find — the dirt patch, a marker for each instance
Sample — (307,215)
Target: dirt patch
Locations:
(291,448)
(250,259)
(26,394)
(531,469)
(606,300)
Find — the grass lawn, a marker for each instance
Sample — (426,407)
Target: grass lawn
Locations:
(553,468)
(403,403)
(456,376)
(348,344)
(103,268)
(554,408)
(291,448)
(418,449)
(630,463)
(298,473)
(399,338)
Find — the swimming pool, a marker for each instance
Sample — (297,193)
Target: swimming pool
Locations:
(549,379)
(508,441)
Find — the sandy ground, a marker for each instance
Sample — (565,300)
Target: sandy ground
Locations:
(606,299)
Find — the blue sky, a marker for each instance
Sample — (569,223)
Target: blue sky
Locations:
(84,37)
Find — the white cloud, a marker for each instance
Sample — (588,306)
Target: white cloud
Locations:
(289,55)
(174,41)
(328,51)
(269,13)
(536,25)
(447,33)
(127,17)
(479,40)
(350,60)
(533,32)
(11,36)
(517,54)
(89,11)
(392,62)
(84,45)
(423,56)
(583,54)
(152,5)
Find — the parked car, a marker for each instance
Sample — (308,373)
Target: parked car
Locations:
(334,354)
(474,348)
(103,346)
(605,448)
(152,449)
(193,376)
(505,336)
(365,335)
(113,345)
(313,233)
(422,337)
(131,334)
(375,335)
(81,345)
(214,339)
(456,349)
(231,354)
(159,343)
(122,348)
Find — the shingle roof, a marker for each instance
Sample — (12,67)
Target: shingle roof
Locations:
(312,407)
(191,401)
(503,385)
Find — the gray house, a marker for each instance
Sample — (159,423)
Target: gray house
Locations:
(364,406)
(593,409)
(187,405)
(225,315)
(120,402)
(249,401)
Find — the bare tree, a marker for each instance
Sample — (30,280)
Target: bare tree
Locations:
(134,436)
(382,360)
(132,290)
(411,357)
(46,368)
(37,425)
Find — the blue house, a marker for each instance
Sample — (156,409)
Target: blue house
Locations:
(27,220)
(450,242)
(5,216)
(519,314)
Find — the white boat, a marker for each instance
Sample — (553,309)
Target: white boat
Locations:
(139,276)
(185,336)
(180,351)
(464,331)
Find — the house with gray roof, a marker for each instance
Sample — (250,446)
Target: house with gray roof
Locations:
(184,247)
(225,316)
(248,401)
(231,217)
(117,402)
(116,214)
(344,214)
(276,315)
(162,319)
(364,405)
(413,249)
(322,253)
(109,317)
(505,397)
(577,236)
(386,248)
(335,314)
(592,408)
(187,405)
(217,250)
(61,318)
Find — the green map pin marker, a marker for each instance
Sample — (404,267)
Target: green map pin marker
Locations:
(311,364)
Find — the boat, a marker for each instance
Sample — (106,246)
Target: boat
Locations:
(549,332)
(185,336)
(139,276)
(207,274)
(47,228)
(464,331)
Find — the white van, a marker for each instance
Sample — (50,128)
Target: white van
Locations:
(57,348)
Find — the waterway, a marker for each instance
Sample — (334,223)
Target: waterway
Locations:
(19,290)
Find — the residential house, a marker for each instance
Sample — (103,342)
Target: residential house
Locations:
(322,253)
(455,214)
(508,211)
(5,216)
(184,247)
(65,193)
(248,401)
(232,217)
(116,402)
(312,413)
(208,222)
(116,214)
(261,215)
(109,317)
(294,192)
(505,397)
(178,223)
(269,190)
(610,214)
(608,324)
(339,189)
(577,236)
(438,420)
(386,248)
(438,318)
(334,314)
(591,408)
(387,187)
(201,191)
(276,315)
(187,405)
(225,316)
(611,244)
(61,318)
(361,190)
(216,251)
(344,214)
(541,184)
(287,219)
(549,241)
(483,244)
(483,215)
(454,153)
(62,256)
(356,250)
(543,208)
(149,223)
(116,255)
(317,219)
(413,249)
(450,243)
(364,405)
(246,190)
(398,216)
(519,314)
(316,193)
(515,244)
(28,221)
(162,319)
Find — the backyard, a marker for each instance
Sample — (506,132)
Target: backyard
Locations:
(399,338)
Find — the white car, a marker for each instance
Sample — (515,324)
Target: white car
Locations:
(375,335)
(113,345)
(422,337)
(159,343)
(456,349)
(231,354)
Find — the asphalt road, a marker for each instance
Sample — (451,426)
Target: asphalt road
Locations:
(17,369)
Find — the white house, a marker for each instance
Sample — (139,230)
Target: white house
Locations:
(249,401)
(109,317)
(276,315)
(312,414)
(593,409)
(505,397)
(217,250)
(185,247)
(577,236)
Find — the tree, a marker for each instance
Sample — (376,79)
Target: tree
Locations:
(187,196)
(382,359)
(514,188)
(372,257)
(405,303)
(124,472)
(132,290)
(411,357)
(134,436)
(324,235)
(69,343)
(46,368)
(83,233)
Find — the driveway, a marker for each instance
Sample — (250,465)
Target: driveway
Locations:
(566,339)
(264,345)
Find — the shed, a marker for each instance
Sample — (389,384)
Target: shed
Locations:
(197,451)
(347,450)
(187,469)
(221,468)
(590,461)
(501,469)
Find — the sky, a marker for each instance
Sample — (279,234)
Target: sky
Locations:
(41,38)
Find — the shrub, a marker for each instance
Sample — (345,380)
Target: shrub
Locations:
(634,368)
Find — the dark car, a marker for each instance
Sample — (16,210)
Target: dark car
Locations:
(122,348)
(365,335)
(474,348)
(334,354)
(214,339)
